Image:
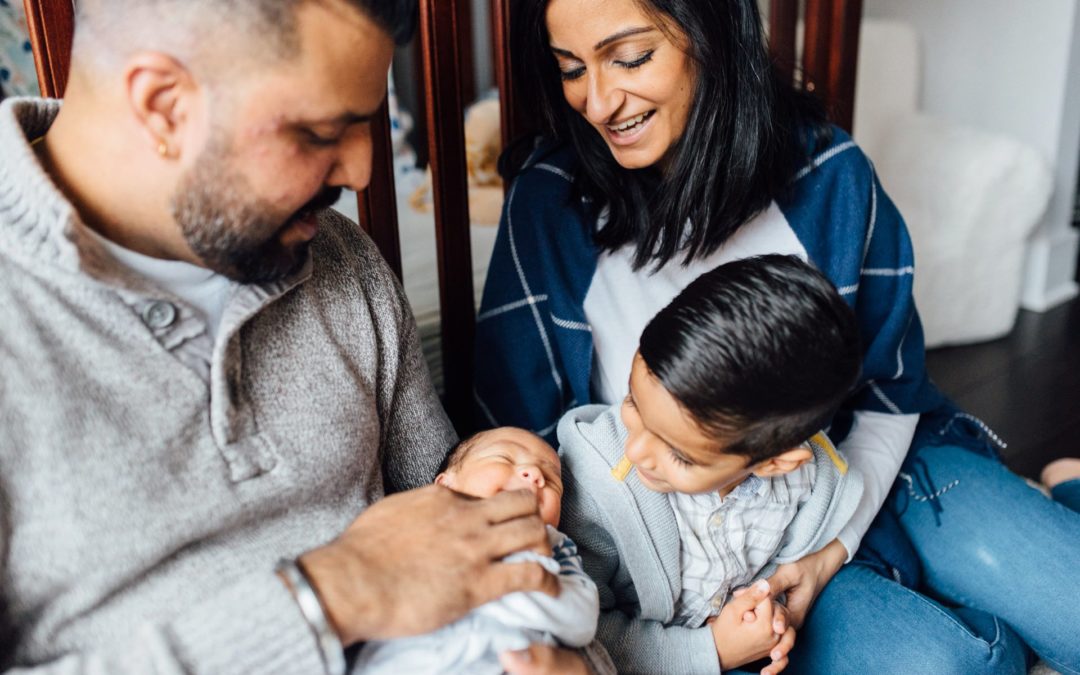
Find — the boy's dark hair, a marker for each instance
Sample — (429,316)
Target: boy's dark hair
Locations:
(747,133)
(761,352)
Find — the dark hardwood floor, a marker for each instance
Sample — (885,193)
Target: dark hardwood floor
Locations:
(1026,386)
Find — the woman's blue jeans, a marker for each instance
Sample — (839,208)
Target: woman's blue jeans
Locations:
(1000,575)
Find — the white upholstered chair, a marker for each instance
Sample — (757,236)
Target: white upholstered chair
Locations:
(970,197)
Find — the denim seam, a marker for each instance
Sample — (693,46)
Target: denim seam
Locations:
(997,632)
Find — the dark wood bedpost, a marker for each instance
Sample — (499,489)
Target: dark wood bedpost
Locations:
(446,145)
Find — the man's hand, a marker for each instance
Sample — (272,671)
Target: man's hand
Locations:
(541,659)
(418,560)
(753,626)
(804,579)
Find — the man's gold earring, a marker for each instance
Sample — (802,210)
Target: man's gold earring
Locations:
(163,149)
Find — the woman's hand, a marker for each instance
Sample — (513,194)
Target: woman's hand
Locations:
(541,659)
(803,579)
(751,627)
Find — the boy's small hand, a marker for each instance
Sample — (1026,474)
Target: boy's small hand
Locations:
(804,579)
(753,626)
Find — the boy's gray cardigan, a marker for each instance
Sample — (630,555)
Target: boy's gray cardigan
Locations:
(629,542)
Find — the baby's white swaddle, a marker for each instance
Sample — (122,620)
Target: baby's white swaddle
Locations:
(473,643)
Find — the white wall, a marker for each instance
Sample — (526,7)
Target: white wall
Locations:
(1011,66)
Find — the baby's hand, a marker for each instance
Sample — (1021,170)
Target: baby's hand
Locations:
(752,626)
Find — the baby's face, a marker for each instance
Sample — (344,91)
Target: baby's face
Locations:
(668,449)
(508,458)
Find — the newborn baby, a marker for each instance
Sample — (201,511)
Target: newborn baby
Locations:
(506,458)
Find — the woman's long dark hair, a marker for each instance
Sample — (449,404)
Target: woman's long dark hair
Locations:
(748,131)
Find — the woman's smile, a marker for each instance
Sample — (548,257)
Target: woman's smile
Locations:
(630,131)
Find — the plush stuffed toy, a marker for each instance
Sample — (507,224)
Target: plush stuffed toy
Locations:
(482,147)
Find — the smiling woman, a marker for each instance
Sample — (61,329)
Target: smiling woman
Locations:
(641,85)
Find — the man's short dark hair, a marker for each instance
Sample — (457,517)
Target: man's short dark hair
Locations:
(121,25)
(397,17)
(761,352)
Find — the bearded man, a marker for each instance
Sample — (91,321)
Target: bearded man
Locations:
(209,379)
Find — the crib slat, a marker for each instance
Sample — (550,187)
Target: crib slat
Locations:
(466,69)
(783,17)
(508,101)
(817,23)
(516,120)
(830,48)
(52,26)
(446,144)
(843,55)
(500,48)
(377,206)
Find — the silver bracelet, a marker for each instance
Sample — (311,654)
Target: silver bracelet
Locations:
(333,655)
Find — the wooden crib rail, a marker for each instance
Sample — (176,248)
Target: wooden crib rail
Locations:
(52,25)
(830,48)
(377,204)
(441,44)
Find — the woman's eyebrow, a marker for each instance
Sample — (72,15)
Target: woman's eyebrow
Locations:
(606,41)
(620,35)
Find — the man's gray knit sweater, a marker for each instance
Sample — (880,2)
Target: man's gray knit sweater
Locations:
(142,508)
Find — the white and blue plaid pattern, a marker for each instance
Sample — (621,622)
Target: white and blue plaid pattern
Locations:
(726,541)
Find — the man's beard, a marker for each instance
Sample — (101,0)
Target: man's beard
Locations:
(233,232)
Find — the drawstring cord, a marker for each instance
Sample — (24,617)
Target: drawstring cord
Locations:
(921,487)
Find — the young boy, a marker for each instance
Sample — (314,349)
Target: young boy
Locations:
(713,469)
(490,462)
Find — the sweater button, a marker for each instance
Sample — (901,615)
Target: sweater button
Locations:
(159,314)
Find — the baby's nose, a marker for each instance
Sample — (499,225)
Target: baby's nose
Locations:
(532,475)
